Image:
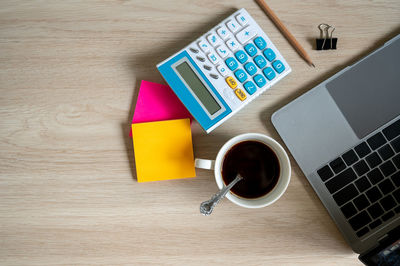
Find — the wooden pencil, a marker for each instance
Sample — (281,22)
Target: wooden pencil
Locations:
(271,14)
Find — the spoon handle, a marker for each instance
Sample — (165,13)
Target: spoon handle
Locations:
(207,207)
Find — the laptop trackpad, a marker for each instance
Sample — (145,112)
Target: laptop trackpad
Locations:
(368,94)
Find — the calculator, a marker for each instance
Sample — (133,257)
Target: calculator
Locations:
(225,69)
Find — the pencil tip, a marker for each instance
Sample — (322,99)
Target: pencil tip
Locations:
(312,65)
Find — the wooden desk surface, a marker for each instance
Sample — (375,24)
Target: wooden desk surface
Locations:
(69,77)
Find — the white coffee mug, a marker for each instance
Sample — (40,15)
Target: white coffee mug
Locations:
(270,197)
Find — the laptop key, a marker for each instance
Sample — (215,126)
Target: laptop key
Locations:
(373,160)
(350,157)
(376,141)
(397,209)
(373,194)
(375,176)
(348,210)
(396,179)
(386,186)
(361,168)
(360,220)
(337,165)
(392,131)
(386,152)
(387,216)
(396,194)
(375,224)
(325,173)
(388,202)
(361,202)
(345,194)
(375,210)
(363,184)
(341,180)
(387,168)
(362,232)
(396,160)
(362,149)
(396,144)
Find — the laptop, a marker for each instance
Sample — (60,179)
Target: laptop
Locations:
(345,136)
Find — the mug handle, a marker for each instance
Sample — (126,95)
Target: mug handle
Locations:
(204,164)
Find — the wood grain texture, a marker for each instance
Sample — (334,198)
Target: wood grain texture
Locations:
(69,77)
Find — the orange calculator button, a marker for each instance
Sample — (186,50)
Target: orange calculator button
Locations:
(231,82)
(240,94)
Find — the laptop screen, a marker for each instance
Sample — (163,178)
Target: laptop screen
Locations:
(387,253)
(386,257)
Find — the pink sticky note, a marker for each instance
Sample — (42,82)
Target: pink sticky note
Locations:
(157,102)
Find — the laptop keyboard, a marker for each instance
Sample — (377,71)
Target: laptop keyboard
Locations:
(365,181)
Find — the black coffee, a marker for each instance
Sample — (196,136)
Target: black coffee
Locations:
(256,163)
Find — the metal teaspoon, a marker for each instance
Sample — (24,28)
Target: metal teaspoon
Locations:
(207,206)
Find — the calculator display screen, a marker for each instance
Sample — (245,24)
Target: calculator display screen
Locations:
(198,88)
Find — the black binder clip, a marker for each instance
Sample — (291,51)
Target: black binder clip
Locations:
(327,42)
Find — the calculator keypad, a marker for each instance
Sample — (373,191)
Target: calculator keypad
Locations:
(204,46)
(223,32)
(231,63)
(240,94)
(241,75)
(231,82)
(222,51)
(222,70)
(213,58)
(233,26)
(250,87)
(250,68)
(242,19)
(250,49)
(260,42)
(232,44)
(213,39)
(245,35)
(269,54)
(260,61)
(244,58)
(241,56)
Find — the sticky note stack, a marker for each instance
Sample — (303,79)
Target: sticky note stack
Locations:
(157,102)
(162,137)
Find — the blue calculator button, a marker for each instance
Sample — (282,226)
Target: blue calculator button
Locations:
(259,80)
(269,73)
(278,66)
(250,87)
(260,61)
(250,68)
(241,56)
(269,54)
(231,63)
(250,49)
(241,75)
(260,42)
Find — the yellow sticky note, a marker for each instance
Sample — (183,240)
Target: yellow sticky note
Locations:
(163,150)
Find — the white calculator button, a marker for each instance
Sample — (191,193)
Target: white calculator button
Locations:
(232,44)
(204,46)
(223,32)
(242,19)
(222,51)
(213,58)
(222,70)
(245,35)
(229,94)
(213,39)
(233,26)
